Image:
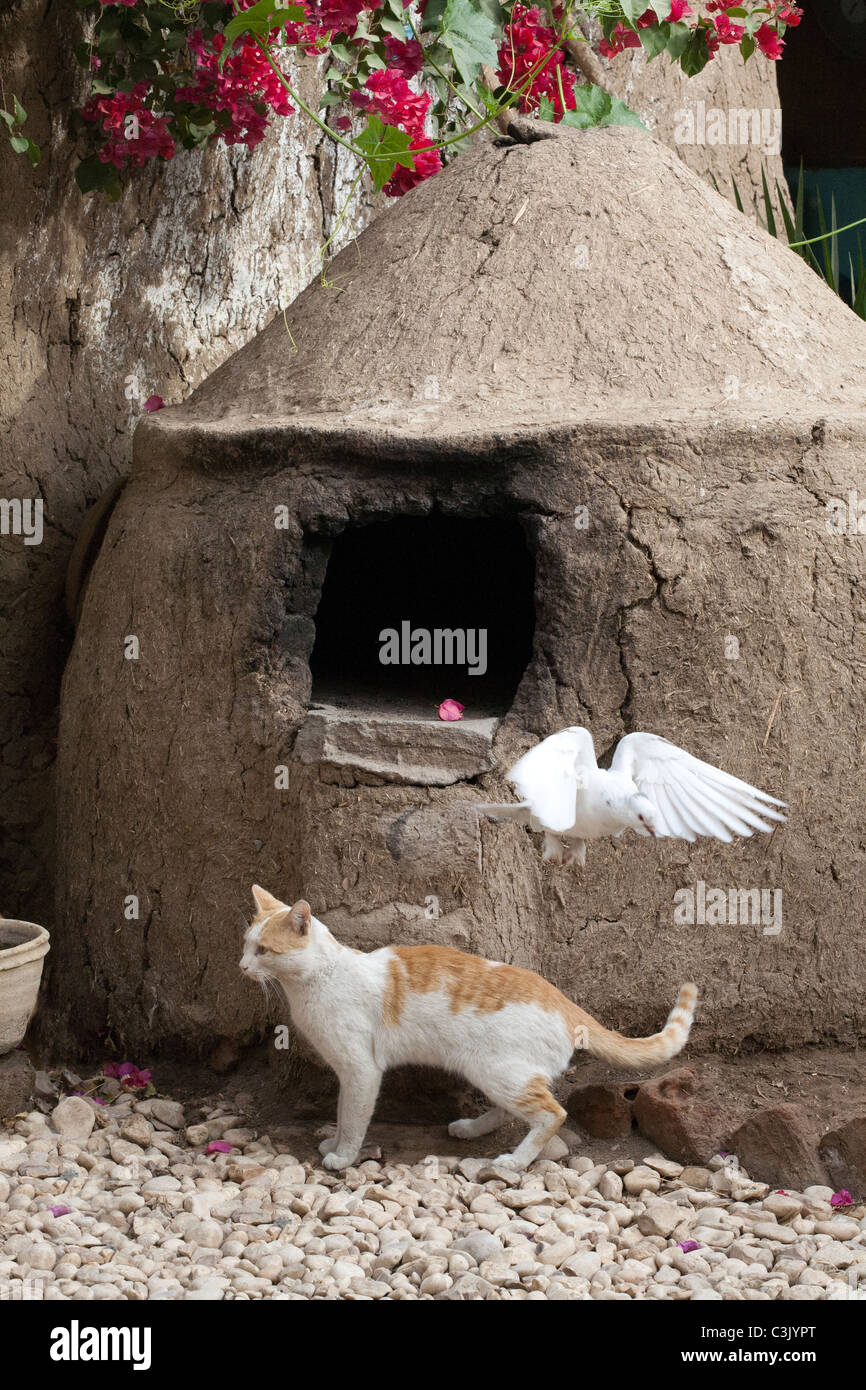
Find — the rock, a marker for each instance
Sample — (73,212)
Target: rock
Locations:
(672,1112)
(196,1135)
(17,1084)
(660,1218)
(642,1179)
(666,1166)
(582,1264)
(843,1151)
(603,1110)
(779,1147)
(783,1206)
(168,1112)
(699,1178)
(555,1149)
(137,1130)
(610,1187)
(481,1245)
(73,1118)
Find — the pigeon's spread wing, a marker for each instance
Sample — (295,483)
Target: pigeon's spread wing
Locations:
(548,776)
(692,797)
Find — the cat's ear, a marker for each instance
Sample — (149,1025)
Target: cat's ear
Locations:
(287,930)
(301,917)
(265,901)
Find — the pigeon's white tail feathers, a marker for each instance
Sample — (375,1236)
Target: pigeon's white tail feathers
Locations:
(636,1052)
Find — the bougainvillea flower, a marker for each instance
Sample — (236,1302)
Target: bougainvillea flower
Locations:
(427,160)
(128,1075)
(154,403)
(841,1199)
(218,1146)
(450,710)
(406,55)
(769,42)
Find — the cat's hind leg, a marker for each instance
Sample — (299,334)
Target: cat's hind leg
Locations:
(532,1102)
(479,1124)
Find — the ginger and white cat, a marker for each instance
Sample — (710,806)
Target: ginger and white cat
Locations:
(507,1031)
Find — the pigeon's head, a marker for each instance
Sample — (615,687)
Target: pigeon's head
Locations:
(642,815)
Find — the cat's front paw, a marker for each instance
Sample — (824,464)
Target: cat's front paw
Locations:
(508,1161)
(328,1146)
(336,1161)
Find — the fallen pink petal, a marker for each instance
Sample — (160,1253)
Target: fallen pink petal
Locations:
(687,1245)
(218,1146)
(451,710)
(154,403)
(60,1211)
(842,1198)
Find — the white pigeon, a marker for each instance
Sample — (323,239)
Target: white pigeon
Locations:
(652,787)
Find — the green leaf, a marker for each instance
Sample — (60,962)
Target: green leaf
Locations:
(632,9)
(19,143)
(695,55)
(395,27)
(20,113)
(470,36)
(383,147)
(747,47)
(259,20)
(655,39)
(595,107)
(92,176)
(679,37)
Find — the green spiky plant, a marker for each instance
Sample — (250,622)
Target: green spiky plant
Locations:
(822,252)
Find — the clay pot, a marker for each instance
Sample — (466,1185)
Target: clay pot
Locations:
(22,948)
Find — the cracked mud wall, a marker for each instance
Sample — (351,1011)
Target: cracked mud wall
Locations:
(697,532)
(103,306)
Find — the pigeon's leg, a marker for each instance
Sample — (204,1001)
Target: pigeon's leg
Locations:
(575,853)
(553,848)
(516,811)
(478,1125)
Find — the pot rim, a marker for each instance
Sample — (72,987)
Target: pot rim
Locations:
(34,948)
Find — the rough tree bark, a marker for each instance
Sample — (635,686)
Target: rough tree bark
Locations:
(101,306)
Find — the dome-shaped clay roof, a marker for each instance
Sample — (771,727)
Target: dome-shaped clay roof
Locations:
(540,281)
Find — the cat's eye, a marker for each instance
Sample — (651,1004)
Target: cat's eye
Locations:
(261,950)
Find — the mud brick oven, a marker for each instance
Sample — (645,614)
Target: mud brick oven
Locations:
(565,393)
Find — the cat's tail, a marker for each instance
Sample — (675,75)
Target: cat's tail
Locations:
(612,1047)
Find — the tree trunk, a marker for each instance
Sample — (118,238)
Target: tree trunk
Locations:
(104,305)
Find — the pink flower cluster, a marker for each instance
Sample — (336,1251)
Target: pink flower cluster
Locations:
(528,51)
(623,37)
(723,29)
(128,1075)
(245,88)
(135,133)
(406,55)
(387,94)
